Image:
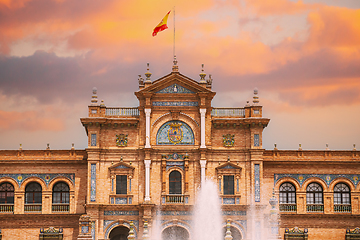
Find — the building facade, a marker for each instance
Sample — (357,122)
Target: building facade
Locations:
(142,170)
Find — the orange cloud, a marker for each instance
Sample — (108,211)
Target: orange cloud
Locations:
(13,3)
(29,121)
(277,7)
(335,27)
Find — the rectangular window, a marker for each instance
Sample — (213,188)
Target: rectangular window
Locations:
(121,184)
(93,139)
(256,140)
(228,185)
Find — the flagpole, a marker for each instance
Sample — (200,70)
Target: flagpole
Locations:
(174,33)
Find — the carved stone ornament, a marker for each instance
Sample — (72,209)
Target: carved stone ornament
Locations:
(228,140)
(121,140)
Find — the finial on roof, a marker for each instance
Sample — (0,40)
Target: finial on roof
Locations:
(209,81)
(141,81)
(94,97)
(256,97)
(148,74)
(175,67)
(202,74)
(354,147)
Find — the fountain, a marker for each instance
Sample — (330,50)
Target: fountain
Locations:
(207,222)
(207,214)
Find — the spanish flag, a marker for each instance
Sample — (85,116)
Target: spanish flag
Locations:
(162,25)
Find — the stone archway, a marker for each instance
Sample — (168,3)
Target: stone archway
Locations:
(119,233)
(175,233)
(235,233)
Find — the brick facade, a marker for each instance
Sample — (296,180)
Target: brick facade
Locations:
(119,145)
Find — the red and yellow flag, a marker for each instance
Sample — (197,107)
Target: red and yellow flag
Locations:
(162,25)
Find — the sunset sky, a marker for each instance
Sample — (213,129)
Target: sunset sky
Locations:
(302,56)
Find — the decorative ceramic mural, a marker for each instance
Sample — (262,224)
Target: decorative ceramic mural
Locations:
(175,132)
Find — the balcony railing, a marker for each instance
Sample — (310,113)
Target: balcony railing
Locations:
(32,208)
(342,208)
(287,207)
(60,207)
(6,208)
(315,208)
(228,112)
(122,112)
(175,198)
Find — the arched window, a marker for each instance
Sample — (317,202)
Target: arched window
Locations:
(175,182)
(342,201)
(33,197)
(61,193)
(287,197)
(33,194)
(6,193)
(314,198)
(60,197)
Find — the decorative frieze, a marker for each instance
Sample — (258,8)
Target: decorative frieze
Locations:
(175,104)
(20,178)
(328,178)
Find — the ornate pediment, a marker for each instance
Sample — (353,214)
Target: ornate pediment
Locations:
(121,168)
(175,88)
(228,168)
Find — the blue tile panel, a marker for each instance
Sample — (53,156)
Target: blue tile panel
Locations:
(47,178)
(93,183)
(170,164)
(234,213)
(328,178)
(93,140)
(228,200)
(257,182)
(175,88)
(119,213)
(175,104)
(256,140)
(93,230)
(121,201)
(84,229)
(175,133)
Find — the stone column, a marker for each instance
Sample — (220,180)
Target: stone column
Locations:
(147,138)
(203,165)
(147,180)
(202,121)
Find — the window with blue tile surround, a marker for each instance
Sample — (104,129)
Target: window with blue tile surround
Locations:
(256,140)
(93,139)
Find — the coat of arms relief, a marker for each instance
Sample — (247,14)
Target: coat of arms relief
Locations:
(228,140)
(175,133)
(121,140)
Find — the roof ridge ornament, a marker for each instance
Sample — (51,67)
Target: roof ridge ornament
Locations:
(175,67)
(148,74)
(202,75)
(94,100)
